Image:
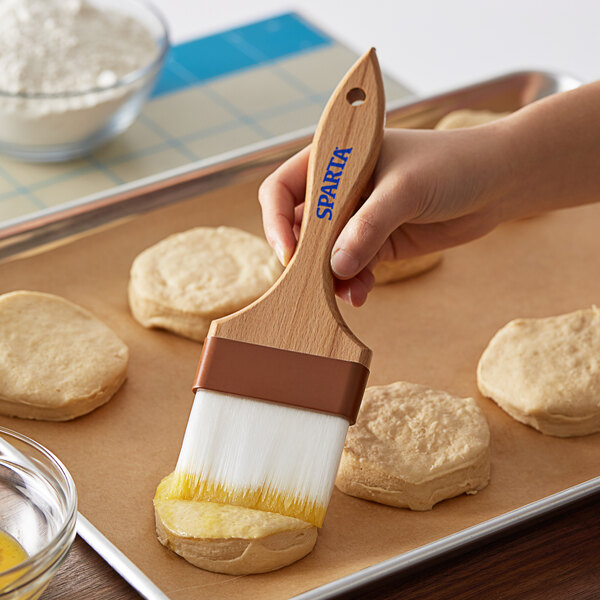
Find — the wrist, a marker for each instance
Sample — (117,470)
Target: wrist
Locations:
(503,169)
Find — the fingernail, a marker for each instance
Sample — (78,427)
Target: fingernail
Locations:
(349,299)
(280,254)
(343,264)
(283,254)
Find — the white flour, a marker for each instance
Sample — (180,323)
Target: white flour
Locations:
(57,46)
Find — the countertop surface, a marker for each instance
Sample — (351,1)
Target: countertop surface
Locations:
(553,559)
(430,45)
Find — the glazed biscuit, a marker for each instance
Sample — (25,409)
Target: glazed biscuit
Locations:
(229,539)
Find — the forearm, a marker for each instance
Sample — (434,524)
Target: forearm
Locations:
(550,152)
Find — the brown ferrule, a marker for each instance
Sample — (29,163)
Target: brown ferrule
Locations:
(327,385)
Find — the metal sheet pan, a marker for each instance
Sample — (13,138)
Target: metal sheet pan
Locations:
(508,92)
(505,93)
(453,542)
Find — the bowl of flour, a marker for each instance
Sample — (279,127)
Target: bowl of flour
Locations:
(74,73)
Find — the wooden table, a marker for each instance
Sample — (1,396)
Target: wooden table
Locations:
(555,558)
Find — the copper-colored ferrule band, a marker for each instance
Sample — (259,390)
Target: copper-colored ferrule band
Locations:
(327,385)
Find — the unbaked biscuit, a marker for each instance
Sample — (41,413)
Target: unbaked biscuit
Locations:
(57,361)
(229,539)
(413,446)
(457,119)
(389,271)
(546,372)
(188,279)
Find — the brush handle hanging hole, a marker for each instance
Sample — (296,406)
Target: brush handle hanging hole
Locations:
(356,96)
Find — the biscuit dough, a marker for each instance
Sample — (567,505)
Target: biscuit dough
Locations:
(188,279)
(546,372)
(389,271)
(57,361)
(413,446)
(457,119)
(229,539)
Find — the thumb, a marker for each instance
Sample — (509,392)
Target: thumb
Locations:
(366,232)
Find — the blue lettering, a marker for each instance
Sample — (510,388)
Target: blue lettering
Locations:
(333,164)
(342,153)
(331,177)
(325,204)
(323,212)
(325,201)
(329,190)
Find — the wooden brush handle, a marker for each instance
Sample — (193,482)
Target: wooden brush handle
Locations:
(342,158)
(299,312)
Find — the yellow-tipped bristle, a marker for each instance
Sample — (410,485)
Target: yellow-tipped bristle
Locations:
(187,487)
(259,455)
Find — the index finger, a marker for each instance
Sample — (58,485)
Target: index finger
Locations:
(278,195)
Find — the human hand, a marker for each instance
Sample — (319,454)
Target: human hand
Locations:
(431,190)
(435,189)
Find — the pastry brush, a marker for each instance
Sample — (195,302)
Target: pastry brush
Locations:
(280,381)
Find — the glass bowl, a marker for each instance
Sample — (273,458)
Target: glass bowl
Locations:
(38,510)
(40,127)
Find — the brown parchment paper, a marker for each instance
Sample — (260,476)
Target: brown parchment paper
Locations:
(430,329)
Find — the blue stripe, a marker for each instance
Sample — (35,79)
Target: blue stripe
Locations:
(20,189)
(224,53)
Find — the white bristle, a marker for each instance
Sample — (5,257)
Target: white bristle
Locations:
(243,443)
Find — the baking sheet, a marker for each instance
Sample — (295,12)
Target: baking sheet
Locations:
(253,83)
(430,329)
(505,93)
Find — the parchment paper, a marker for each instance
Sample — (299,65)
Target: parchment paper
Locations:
(430,329)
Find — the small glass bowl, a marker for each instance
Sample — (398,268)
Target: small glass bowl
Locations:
(38,508)
(57,127)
